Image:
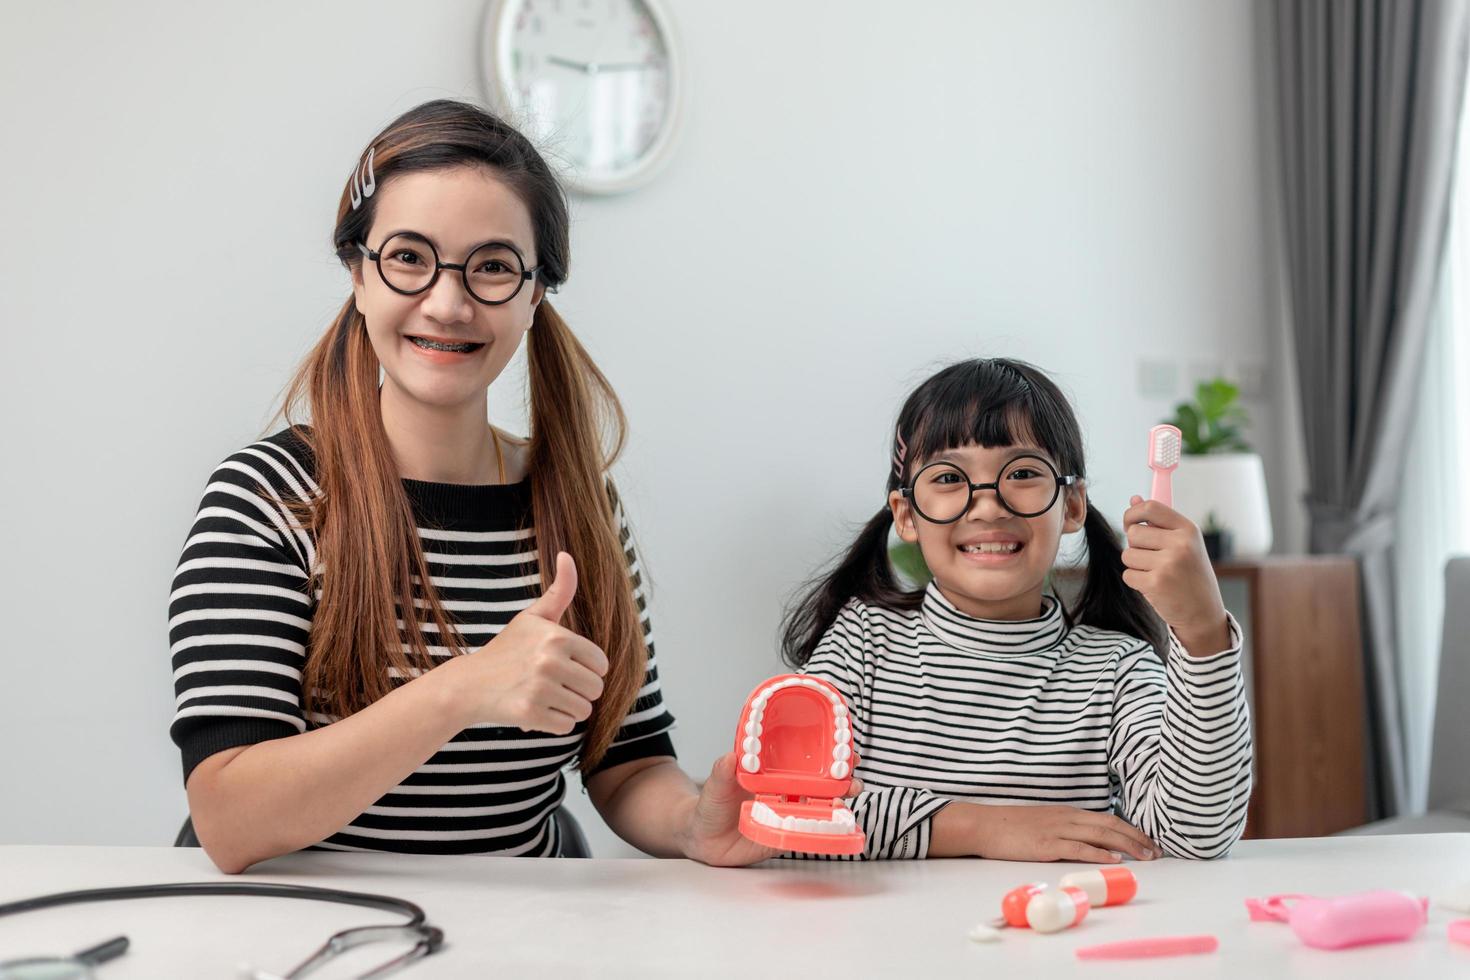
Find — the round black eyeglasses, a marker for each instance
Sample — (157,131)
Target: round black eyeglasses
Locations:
(1027,486)
(409,264)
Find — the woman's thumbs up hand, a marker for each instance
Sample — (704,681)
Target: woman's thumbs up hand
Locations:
(536,675)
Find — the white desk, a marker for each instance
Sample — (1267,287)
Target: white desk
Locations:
(507,917)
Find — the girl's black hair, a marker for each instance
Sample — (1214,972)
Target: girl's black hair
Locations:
(991,402)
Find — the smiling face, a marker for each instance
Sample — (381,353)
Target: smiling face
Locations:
(442,348)
(991,563)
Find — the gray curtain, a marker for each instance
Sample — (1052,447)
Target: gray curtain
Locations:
(1367,99)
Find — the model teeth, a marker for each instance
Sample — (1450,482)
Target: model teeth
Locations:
(750,746)
(992,548)
(438,345)
(842,822)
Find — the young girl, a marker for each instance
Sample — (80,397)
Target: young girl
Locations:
(364,656)
(989,719)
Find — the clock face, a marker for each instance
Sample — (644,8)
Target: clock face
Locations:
(592,82)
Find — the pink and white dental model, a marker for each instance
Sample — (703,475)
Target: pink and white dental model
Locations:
(794,741)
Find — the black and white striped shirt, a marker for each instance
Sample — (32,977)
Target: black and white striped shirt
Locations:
(948,707)
(240,615)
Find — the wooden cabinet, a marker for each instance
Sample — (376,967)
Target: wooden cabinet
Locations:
(1305,681)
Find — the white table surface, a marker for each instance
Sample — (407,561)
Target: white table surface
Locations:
(509,917)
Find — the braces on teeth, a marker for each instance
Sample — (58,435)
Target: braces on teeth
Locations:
(463,347)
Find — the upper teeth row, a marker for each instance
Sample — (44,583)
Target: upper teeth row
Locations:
(841,752)
(842,821)
(439,345)
(990,547)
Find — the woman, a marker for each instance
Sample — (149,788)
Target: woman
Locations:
(364,655)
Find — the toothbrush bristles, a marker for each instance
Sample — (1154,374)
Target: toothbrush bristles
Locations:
(1166,449)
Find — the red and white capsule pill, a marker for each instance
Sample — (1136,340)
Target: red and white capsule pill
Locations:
(1013,906)
(1104,886)
(1053,911)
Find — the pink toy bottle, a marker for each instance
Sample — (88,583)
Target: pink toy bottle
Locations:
(1381,916)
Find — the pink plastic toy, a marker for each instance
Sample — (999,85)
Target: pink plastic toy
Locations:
(794,743)
(1165,443)
(1459,931)
(1137,949)
(1351,920)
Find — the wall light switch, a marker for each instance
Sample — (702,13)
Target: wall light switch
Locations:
(1204,369)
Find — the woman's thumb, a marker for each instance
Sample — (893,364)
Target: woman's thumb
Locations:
(553,602)
(722,785)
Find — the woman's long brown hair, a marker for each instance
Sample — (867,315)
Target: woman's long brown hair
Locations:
(370,563)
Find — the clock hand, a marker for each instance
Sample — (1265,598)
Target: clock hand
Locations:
(580,66)
(625,66)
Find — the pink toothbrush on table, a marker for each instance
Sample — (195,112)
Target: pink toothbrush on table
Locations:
(1165,443)
(1136,949)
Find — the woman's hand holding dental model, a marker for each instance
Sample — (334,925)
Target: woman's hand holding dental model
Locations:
(714,823)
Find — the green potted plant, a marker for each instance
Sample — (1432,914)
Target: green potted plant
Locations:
(1220,484)
(1212,422)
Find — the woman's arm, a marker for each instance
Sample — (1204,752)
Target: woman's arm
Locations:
(278,796)
(646,802)
(654,806)
(257,801)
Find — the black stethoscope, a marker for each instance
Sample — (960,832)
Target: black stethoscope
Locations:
(426,939)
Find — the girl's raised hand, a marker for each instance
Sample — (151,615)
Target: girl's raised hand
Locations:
(1166,561)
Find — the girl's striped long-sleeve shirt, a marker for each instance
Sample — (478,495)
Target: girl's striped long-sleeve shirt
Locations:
(947,707)
(240,619)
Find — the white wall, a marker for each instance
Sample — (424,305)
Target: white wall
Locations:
(863,191)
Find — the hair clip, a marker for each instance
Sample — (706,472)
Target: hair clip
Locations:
(364,182)
(900,450)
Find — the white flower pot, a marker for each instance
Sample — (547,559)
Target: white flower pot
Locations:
(1232,486)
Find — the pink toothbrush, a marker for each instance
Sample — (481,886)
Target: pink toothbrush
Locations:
(1164,445)
(1133,949)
